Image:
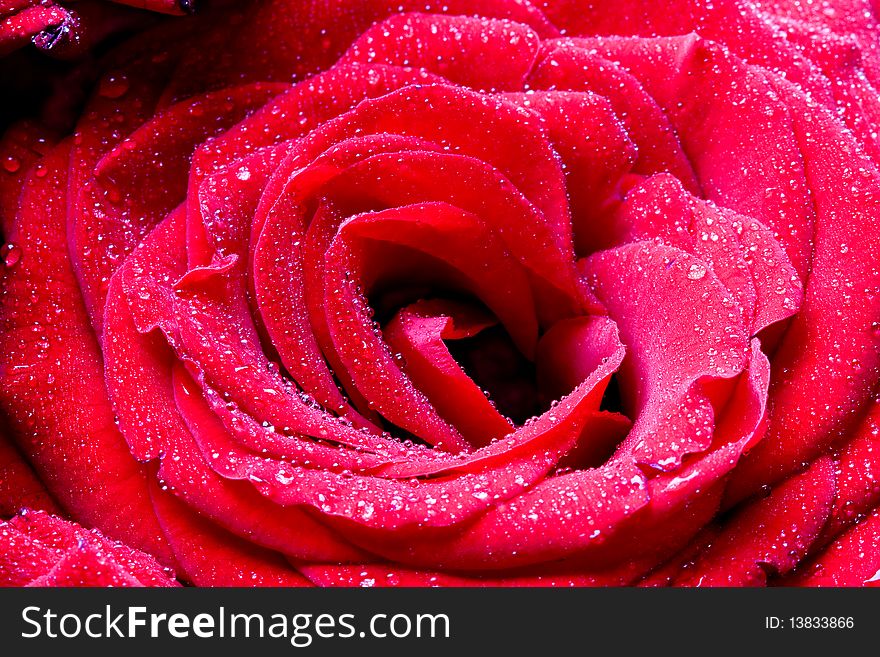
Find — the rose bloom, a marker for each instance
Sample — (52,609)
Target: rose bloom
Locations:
(411,293)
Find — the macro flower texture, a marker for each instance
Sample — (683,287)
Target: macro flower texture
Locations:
(460,293)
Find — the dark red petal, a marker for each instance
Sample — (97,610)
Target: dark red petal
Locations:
(417,333)
(740,250)
(209,556)
(83,566)
(853,559)
(283,40)
(667,572)
(558,517)
(22,559)
(742,27)
(675,347)
(708,96)
(385,575)
(128,194)
(833,341)
(21,146)
(769,536)
(20,488)
(858,474)
(484,54)
(53,391)
(567,66)
(596,154)
(43,550)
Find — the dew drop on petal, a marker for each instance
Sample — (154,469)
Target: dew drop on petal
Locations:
(11,255)
(11,164)
(696,272)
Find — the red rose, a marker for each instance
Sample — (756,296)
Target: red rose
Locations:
(504,294)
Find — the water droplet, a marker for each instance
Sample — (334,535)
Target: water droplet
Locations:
(113,86)
(696,272)
(11,255)
(284,478)
(11,164)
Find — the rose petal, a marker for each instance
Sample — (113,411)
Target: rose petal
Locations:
(53,389)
